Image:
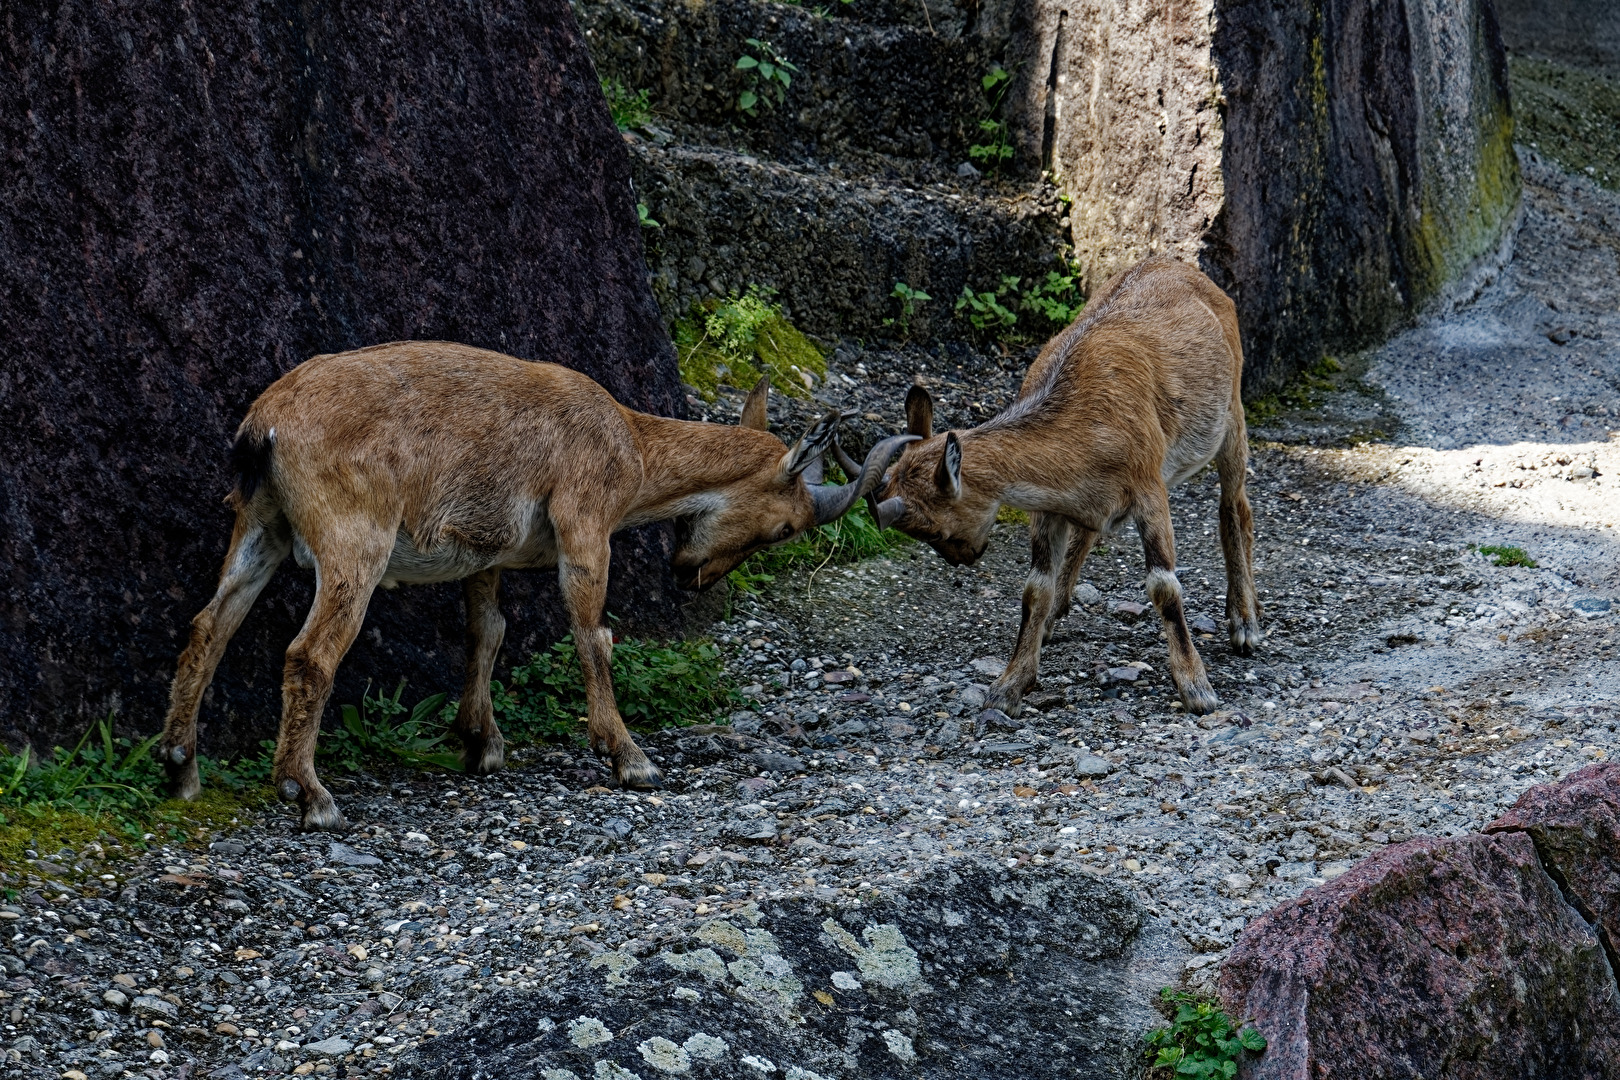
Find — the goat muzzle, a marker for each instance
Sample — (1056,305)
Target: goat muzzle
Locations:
(833,503)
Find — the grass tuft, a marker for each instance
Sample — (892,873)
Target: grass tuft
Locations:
(850,539)
(1502,555)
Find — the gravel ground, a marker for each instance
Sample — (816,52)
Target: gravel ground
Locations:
(1408,686)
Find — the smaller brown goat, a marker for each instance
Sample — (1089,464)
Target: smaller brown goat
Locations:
(1140,393)
(425,461)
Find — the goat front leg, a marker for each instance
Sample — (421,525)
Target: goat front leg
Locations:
(346,575)
(1048,543)
(257,548)
(1159,548)
(582,570)
(1237,541)
(1081,540)
(482,748)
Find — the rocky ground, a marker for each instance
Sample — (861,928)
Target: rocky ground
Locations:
(853,879)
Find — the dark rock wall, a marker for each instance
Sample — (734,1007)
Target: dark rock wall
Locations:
(1337,167)
(198,197)
(1581,32)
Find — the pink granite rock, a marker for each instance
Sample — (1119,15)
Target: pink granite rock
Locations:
(1436,958)
(1575,824)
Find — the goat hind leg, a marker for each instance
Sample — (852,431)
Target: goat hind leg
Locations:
(347,580)
(1159,548)
(1237,544)
(582,570)
(482,748)
(1048,542)
(257,548)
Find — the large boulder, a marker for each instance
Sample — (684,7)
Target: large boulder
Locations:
(198,197)
(973,971)
(1336,167)
(1575,824)
(1439,958)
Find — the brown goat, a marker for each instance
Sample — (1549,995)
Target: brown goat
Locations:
(1138,394)
(425,461)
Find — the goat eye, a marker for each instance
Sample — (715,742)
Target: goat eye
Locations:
(784,532)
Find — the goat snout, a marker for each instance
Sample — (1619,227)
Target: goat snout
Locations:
(959,552)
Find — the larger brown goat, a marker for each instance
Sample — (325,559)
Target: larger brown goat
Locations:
(1139,394)
(426,461)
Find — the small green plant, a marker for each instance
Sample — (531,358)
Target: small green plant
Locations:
(645,217)
(736,340)
(1199,1043)
(995,147)
(1502,555)
(629,108)
(373,732)
(654,685)
(909,299)
(768,74)
(1056,298)
(986,311)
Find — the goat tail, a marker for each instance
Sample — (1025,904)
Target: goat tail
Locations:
(250,461)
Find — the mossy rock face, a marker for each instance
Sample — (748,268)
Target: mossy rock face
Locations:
(773,346)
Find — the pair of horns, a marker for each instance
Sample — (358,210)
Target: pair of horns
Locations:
(804,457)
(919,425)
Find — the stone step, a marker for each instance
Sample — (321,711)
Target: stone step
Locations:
(833,246)
(860,87)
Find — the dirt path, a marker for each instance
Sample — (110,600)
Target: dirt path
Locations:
(853,881)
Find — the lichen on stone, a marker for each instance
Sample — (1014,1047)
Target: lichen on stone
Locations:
(617,963)
(706,1047)
(587,1031)
(886,959)
(705,962)
(665,1056)
(612,1070)
(899,1045)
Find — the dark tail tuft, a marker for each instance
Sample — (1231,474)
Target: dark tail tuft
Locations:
(250,461)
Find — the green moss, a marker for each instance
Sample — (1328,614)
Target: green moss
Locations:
(734,341)
(1304,392)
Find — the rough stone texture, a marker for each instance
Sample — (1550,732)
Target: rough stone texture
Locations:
(1575,824)
(1437,958)
(972,971)
(864,86)
(1584,32)
(198,198)
(834,247)
(1334,167)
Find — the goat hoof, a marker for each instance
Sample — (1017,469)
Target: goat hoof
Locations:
(184,782)
(323,816)
(1200,698)
(640,775)
(1245,635)
(479,757)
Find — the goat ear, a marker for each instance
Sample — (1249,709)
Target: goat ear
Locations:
(948,476)
(753,411)
(919,413)
(811,445)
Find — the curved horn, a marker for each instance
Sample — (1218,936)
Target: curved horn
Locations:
(889,511)
(834,503)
